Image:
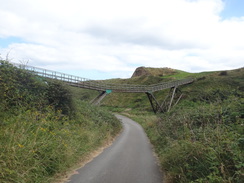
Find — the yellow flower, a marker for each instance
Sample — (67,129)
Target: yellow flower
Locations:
(21,146)
(43,129)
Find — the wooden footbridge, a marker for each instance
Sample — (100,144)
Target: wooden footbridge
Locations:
(105,88)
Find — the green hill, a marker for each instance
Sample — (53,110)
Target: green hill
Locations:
(201,139)
(119,101)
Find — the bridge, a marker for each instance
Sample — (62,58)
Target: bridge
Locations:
(106,88)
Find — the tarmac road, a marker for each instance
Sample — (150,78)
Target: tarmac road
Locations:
(128,160)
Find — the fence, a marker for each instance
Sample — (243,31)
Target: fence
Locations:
(80,82)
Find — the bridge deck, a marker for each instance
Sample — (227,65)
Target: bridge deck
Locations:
(99,85)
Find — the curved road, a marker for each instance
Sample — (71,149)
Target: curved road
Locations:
(128,160)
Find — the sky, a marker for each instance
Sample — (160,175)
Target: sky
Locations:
(110,38)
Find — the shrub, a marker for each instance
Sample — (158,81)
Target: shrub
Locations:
(59,96)
(20,88)
(223,73)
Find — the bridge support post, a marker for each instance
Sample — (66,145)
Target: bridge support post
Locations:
(172,98)
(97,100)
(154,103)
(176,95)
(168,102)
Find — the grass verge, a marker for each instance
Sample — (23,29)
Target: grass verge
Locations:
(201,139)
(44,128)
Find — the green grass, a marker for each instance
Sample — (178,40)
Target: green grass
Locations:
(201,143)
(45,128)
(182,75)
(201,139)
(35,146)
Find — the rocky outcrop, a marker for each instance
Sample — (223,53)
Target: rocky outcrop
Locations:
(140,71)
(149,71)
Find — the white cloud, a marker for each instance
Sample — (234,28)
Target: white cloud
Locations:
(114,36)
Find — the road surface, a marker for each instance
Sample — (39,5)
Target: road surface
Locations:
(128,160)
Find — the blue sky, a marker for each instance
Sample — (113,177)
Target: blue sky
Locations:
(4,42)
(109,39)
(233,8)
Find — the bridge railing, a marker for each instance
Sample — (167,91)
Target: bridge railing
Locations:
(147,88)
(51,74)
(77,81)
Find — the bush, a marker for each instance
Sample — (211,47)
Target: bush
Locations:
(59,96)
(186,161)
(223,73)
(20,88)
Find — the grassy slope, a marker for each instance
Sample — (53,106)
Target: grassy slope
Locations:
(201,139)
(45,128)
(139,100)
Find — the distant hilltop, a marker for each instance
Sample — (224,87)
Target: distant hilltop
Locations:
(149,71)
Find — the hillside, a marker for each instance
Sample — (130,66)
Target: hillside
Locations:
(139,100)
(45,127)
(201,139)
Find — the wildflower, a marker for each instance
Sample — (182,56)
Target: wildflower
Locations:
(21,146)
(43,129)
(64,144)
